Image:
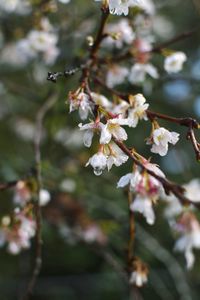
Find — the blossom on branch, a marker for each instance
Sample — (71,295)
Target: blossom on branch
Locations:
(80,101)
(160,139)
(189,228)
(119,34)
(137,110)
(99,162)
(116,75)
(146,189)
(174,62)
(139,71)
(113,128)
(119,7)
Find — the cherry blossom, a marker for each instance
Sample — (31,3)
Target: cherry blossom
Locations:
(143,205)
(131,179)
(192,190)
(160,139)
(138,72)
(90,129)
(80,101)
(147,190)
(99,162)
(138,112)
(112,127)
(139,274)
(18,235)
(101,100)
(116,75)
(189,228)
(138,278)
(115,156)
(119,34)
(119,7)
(174,62)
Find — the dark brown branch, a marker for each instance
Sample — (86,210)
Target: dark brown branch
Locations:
(178,38)
(188,122)
(8,185)
(168,186)
(195,144)
(100,34)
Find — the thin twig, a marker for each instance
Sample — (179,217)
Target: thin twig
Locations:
(178,38)
(37,149)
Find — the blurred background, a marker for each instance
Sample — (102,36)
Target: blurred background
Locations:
(85,225)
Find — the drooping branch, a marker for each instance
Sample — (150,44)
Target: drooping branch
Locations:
(168,186)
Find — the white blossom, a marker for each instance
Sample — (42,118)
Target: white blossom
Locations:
(22,193)
(119,7)
(119,34)
(138,278)
(144,206)
(138,112)
(174,62)
(116,75)
(18,237)
(120,108)
(101,100)
(138,72)
(146,188)
(192,190)
(173,208)
(99,162)
(80,101)
(116,156)
(147,5)
(112,127)
(160,139)
(44,197)
(189,228)
(90,129)
(130,178)
(15,6)
(154,168)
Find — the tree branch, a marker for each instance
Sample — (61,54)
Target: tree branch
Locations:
(37,149)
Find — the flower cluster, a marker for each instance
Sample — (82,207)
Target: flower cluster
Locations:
(146,189)
(184,222)
(18,231)
(23,194)
(38,43)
